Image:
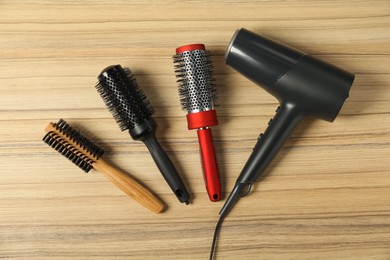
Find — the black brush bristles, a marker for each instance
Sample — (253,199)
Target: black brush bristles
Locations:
(197,88)
(82,158)
(79,138)
(124,99)
(67,150)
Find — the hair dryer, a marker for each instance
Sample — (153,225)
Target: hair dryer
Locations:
(304,86)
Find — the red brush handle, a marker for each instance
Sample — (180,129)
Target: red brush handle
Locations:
(209,164)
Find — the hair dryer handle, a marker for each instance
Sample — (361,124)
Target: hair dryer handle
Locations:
(209,164)
(268,144)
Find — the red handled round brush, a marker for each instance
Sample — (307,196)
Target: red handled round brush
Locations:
(197,92)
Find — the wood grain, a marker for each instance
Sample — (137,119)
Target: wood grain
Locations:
(325,196)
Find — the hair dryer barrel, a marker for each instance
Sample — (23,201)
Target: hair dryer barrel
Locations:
(312,86)
(260,59)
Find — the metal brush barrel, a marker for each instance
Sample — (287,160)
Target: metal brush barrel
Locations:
(194,72)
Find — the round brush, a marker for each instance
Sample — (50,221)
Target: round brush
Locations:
(197,92)
(85,154)
(133,112)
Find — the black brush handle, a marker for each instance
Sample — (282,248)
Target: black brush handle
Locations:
(166,168)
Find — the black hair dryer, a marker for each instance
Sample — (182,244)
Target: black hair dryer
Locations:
(304,86)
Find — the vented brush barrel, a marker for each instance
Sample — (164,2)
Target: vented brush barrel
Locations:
(194,70)
(197,95)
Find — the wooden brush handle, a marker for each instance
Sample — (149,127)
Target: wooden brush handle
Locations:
(130,186)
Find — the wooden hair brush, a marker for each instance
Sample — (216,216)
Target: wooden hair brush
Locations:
(85,154)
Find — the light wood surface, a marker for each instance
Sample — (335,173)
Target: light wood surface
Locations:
(325,196)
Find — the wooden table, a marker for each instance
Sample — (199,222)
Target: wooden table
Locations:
(325,196)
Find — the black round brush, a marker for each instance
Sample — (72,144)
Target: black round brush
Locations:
(133,112)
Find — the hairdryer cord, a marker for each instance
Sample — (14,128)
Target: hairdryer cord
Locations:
(216,233)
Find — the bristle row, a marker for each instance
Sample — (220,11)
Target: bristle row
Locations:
(124,99)
(67,150)
(196,84)
(79,138)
